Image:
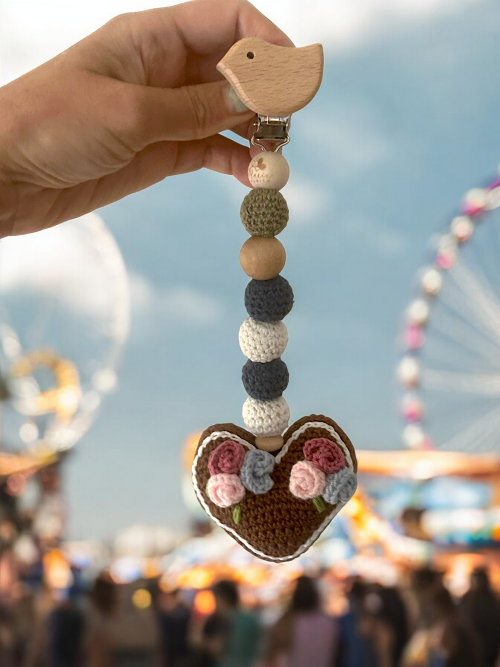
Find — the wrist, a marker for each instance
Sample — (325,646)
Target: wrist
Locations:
(7,208)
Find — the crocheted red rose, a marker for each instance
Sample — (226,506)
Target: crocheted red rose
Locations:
(226,458)
(324,455)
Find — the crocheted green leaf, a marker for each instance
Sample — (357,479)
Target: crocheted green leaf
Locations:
(237,514)
(319,504)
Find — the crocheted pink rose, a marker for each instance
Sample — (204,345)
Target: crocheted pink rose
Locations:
(228,457)
(225,490)
(306,481)
(324,454)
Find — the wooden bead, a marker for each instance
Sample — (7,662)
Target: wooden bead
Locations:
(262,258)
(268,170)
(269,443)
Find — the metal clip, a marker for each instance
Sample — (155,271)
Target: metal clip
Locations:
(271,129)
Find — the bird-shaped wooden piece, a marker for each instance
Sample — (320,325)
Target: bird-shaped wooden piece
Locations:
(273,80)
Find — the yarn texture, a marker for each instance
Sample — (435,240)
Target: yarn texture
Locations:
(265,381)
(225,490)
(266,418)
(264,212)
(340,486)
(269,300)
(263,341)
(306,481)
(256,469)
(227,458)
(275,525)
(324,455)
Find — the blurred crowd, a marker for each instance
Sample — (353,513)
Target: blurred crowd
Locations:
(417,624)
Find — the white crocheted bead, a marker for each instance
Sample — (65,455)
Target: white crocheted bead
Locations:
(263,341)
(264,418)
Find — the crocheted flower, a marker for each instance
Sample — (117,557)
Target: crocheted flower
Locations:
(324,454)
(256,469)
(340,486)
(225,490)
(226,458)
(306,481)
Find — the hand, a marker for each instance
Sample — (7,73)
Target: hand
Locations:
(138,100)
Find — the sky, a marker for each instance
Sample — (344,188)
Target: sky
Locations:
(405,122)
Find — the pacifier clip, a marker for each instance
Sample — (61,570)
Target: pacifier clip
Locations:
(273,487)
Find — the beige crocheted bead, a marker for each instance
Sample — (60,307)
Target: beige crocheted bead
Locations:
(268,170)
(263,341)
(266,418)
(262,258)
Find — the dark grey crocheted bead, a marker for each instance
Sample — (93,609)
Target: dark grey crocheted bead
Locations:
(264,212)
(269,300)
(265,381)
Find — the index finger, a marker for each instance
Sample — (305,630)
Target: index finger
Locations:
(213,26)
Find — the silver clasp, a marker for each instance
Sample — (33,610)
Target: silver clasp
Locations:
(271,129)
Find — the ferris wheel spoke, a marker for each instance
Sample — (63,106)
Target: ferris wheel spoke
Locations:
(482,302)
(463,335)
(469,383)
(469,438)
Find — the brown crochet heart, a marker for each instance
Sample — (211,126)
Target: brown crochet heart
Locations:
(275,525)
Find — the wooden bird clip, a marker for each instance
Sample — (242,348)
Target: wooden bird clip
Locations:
(273,81)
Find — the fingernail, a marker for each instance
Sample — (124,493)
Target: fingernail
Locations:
(235,101)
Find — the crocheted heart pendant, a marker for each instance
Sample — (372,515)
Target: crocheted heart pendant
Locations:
(275,505)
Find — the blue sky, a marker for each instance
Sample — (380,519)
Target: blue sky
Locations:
(406,121)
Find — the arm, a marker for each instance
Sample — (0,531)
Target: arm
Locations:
(136,101)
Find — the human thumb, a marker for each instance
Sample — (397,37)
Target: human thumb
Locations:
(191,112)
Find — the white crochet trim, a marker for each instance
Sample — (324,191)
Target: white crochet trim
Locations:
(295,435)
(263,341)
(266,418)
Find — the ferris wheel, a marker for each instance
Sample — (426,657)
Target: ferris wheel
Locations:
(64,318)
(449,372)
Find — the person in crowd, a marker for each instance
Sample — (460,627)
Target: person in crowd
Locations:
(174,617)
(356,645)
(481,607)
(304,635)
(384,624)
(231,636)
(452,641)
(65,633)
(120,635)
(395,614)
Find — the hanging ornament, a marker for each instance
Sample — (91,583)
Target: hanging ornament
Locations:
(273,487)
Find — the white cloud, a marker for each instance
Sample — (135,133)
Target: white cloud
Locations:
(77,264)
(306,201)
(347,24)
(355,140)
(176,306)
(32,31)
(385,242)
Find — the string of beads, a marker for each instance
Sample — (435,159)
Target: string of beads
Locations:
(268,299)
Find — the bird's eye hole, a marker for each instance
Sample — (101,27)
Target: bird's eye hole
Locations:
(251,55)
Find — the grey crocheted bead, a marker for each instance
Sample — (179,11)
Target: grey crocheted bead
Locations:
(255,471)
(265,381)
(264,212)
(269,300)
(340,486)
